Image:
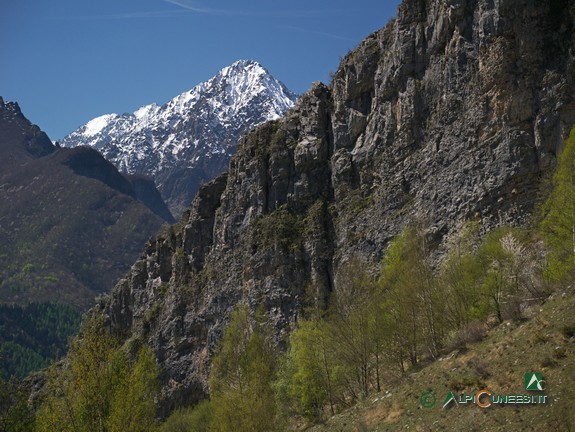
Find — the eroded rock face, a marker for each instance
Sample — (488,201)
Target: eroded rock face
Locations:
(454,110)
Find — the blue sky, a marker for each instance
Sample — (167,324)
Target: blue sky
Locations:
(68,61)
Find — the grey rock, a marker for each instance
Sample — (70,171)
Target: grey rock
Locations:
(454,110)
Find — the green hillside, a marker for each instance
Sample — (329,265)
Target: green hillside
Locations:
(544,342)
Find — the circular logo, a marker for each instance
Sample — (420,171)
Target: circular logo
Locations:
(427,399)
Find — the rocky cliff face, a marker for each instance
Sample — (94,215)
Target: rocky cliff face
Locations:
(454,110)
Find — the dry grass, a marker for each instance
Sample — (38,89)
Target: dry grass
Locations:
(544,343)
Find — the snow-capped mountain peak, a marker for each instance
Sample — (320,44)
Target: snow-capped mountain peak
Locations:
(190,138)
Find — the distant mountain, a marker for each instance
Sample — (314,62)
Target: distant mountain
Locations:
(70,223)
(190,139)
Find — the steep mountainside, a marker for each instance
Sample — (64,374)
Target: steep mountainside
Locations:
(190,139)
(70,223)
(454,110)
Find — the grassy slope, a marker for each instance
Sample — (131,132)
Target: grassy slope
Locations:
(544,343)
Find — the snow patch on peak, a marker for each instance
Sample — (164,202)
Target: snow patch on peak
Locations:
(243,66)
(146,111)
(94,126)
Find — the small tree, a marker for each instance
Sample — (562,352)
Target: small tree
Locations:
(511,276)
(309,369)
(97,389)
(80,392)
(411,298)
(243,370)
(132,408)
(461,274)
(349,324)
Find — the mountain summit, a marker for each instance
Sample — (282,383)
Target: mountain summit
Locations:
(190,139)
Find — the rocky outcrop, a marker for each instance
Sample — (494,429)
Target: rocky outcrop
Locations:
(454,110)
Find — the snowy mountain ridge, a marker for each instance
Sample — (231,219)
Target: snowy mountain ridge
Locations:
(189,139)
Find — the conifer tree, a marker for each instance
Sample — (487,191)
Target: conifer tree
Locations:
(349,325)
(408,299)
(79,394)
(461,274)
